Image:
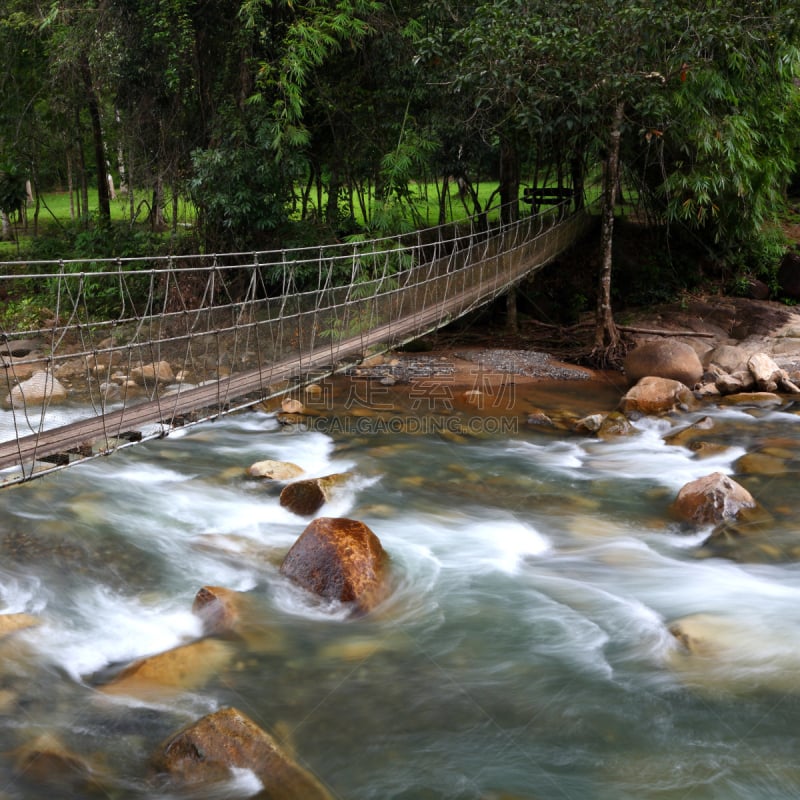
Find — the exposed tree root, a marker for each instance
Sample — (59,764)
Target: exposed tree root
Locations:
(609,356)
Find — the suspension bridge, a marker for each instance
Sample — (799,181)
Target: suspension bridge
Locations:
(185,339)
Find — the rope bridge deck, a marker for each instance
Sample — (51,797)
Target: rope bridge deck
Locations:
(194,337)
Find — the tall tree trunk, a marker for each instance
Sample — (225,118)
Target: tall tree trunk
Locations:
(576,171)
(443,199)
(305,192)
(509,205)
(83,188)
(129,181)
(157,221)
(606,337)
(37,207)
(509,181)
(175,211)
(93,106)
(70,188)
(123,175)
(332,206)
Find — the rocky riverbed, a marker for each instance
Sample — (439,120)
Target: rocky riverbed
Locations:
(738,327)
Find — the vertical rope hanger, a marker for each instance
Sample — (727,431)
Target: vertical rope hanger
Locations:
(39,428)
(257,284)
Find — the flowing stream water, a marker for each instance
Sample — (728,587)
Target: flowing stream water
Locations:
(524,651)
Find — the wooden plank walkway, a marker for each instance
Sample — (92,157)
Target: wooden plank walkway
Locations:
(100,434)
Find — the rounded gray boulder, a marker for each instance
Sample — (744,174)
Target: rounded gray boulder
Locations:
(664,358)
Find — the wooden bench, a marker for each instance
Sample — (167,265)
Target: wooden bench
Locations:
(546,196)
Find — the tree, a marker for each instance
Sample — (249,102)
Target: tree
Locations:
(159,111)
(23,88)
(600,72)
(244,176)
(13,197)
(82,59)
(732,140)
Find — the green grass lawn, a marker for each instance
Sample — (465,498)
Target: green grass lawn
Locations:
(57,218)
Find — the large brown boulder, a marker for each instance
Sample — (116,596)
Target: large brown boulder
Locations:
(711,499)
(206,751)
(656,396)
(664,358)
(339,559)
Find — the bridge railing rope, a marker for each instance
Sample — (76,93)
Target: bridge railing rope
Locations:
(130,348)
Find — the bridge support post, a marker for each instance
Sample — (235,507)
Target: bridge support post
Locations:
(512,321)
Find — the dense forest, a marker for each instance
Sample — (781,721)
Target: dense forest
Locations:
(287,121)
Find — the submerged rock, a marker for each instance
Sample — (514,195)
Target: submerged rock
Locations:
(753,399)
(711,499)
(686,435)
(218,608)
(615,424)
(207,752)
(46,760)
(702,449)
(11,623)
(761,464)
(722,654)
(339,559)
(183,668)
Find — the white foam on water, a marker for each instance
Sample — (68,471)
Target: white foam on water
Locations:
(297,601)
(638,592)
(560,631)
(623,617)
(23,422)
(242,783)
(310,450)
(647,456)
(19,594)
(468,545)
(644,455)
(561,456)
(102,628)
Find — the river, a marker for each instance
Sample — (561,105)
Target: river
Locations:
(525,649)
